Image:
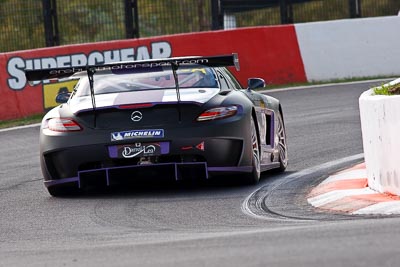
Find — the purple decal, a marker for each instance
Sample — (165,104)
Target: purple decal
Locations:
(231,169)
(272,130)
(113,151)
(164,147)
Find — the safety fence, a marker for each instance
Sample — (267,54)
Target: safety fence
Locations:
(28,24)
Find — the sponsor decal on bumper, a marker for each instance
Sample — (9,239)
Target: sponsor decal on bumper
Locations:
(133,134)
(138,150)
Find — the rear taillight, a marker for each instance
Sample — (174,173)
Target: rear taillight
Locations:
(62,125)
(136,106)
(218,113)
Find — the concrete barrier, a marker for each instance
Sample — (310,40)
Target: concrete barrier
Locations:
(271,53)
(380,124)
(350,48)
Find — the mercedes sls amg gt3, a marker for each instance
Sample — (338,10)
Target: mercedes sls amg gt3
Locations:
(180,118)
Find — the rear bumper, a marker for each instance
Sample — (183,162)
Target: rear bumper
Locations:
(225,148)
(84,156)
(172,171)
(218,154)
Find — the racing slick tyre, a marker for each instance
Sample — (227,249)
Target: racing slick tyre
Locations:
(62,191)
(282,145)
(254,176)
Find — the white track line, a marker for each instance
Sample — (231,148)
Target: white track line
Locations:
(336,195)
(322,85)
(349,175)
(19,127)
(386,208)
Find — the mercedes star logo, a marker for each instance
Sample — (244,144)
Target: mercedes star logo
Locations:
(136,116)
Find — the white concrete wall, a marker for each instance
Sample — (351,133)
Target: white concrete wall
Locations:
(380,124)
(348,48)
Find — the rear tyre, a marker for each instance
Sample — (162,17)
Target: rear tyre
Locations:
(282,145)
(254,176)
(62,191)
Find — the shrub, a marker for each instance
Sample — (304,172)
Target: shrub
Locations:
(388,89)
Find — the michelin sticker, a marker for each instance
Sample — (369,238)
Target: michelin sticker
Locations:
(126,135)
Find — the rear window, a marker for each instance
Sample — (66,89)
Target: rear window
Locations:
(193,77)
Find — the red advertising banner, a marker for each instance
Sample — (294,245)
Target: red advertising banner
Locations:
(271,53)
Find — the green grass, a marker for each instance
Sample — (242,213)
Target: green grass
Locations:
(21,122)
(387,89)
(381,90)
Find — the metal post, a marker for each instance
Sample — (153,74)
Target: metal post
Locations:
(131,19)
(290,14)
(56,35)
(216,13)
(355,8)
(284,11)
(136,14)
(50,23)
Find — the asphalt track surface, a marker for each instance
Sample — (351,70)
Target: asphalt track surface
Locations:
(218,223)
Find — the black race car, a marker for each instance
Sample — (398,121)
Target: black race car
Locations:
(177,118)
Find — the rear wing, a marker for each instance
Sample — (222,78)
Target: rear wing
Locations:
(59,73)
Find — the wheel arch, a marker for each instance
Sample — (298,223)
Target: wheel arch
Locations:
(254,116)
(281,111)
